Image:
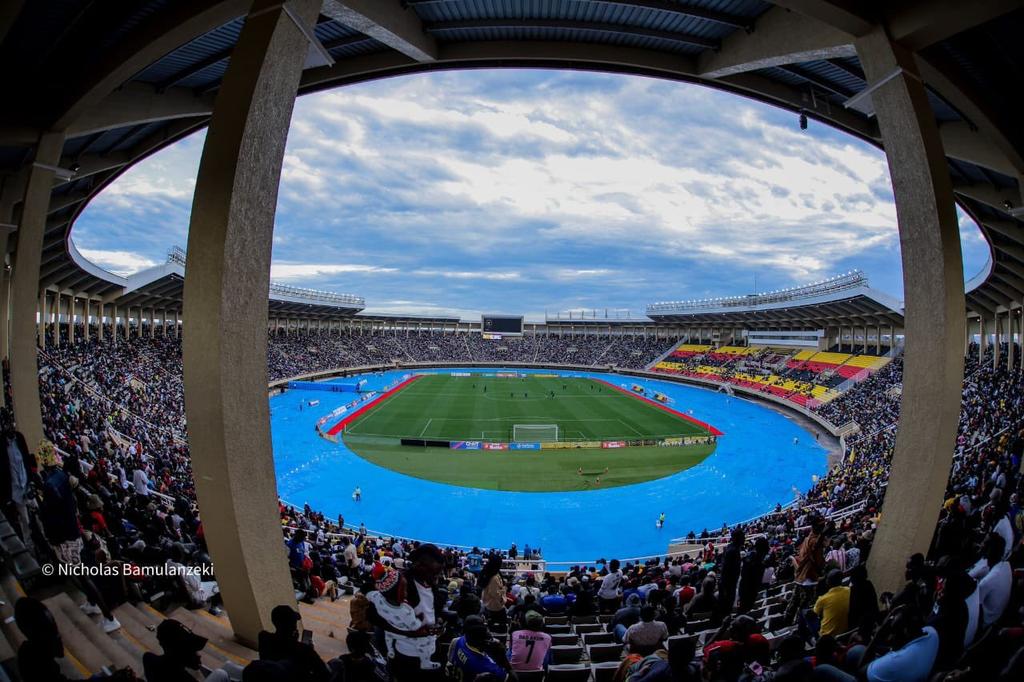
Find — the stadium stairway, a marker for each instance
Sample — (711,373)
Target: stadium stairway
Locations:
(89,650)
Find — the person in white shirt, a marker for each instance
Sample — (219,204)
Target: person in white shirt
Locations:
(994,588)
(140,481)
(610,591)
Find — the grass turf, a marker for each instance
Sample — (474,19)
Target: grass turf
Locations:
(442,407)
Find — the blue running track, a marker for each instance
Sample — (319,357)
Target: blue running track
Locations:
(755,466)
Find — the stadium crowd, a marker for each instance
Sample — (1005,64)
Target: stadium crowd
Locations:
(290,355)
(785,597)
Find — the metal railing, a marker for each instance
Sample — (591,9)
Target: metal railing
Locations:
(849,280)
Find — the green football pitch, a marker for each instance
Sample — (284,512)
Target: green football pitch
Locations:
(446,408)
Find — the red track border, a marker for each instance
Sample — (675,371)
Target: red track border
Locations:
(337,428)
(711,429)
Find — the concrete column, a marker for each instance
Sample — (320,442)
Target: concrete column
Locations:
(996,345)
(5,307)
(41,326)
(25,288)
(152,323)
(99,321)
(982,336)
(227,280)
(72,311)
(933,283)
(177,328)
(967,337)
(1010,324)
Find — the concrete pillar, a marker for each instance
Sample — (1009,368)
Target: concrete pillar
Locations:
(1010,324)
(177,328)
(25,288)
(967,338)
(982,336)
(41,326)
(227,280)
(996,345)
(5,306)
(933,284)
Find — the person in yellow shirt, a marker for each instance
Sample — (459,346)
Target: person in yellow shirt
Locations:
(833,607)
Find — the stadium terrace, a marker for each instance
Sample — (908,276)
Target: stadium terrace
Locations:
(814,483)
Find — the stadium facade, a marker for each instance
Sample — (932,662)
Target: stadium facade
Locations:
(94,91)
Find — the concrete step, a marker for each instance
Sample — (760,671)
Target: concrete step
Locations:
(221,638)
(139,623)
(79,647)
(329,623)
(87,640)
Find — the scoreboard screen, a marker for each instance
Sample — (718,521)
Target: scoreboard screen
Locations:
(502,324)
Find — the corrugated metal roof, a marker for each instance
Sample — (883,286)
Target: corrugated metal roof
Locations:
(218,41)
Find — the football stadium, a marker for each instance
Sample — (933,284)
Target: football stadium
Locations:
(472,340)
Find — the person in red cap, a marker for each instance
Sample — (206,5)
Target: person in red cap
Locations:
(408,641)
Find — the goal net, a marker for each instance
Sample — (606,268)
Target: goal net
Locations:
(534,433)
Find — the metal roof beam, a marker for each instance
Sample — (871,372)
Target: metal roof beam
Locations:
(1004,288)
(964,142)
(389,22)
(571,24)
(1010,229)
(676,8)
(817,80)
(846,15)
(138,103)
(919,24)
(796,98)
(780,38)
(989,195)
(59,203)
(157,35)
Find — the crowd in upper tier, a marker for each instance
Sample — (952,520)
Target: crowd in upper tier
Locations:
(784,597)
(290,355)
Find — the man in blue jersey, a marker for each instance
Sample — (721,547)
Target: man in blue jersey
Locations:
(474,561)
(475,653)
(553,603)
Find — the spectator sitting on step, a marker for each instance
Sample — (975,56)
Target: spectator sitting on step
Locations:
(625,617)
(180,656)
(362,663)
(647,636)
(283,645)
(476,653)
(530,646)
(554,602)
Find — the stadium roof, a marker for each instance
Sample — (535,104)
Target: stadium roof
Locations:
(129,78)
(845,299)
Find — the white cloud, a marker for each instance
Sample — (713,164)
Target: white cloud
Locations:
(287,272)
(468,274)
(118,262)
(541,189)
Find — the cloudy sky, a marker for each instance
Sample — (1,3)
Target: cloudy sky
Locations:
(529,191)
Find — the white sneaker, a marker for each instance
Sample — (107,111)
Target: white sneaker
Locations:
(90,609)
(110,625)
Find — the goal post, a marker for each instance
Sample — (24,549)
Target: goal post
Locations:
(534,433)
